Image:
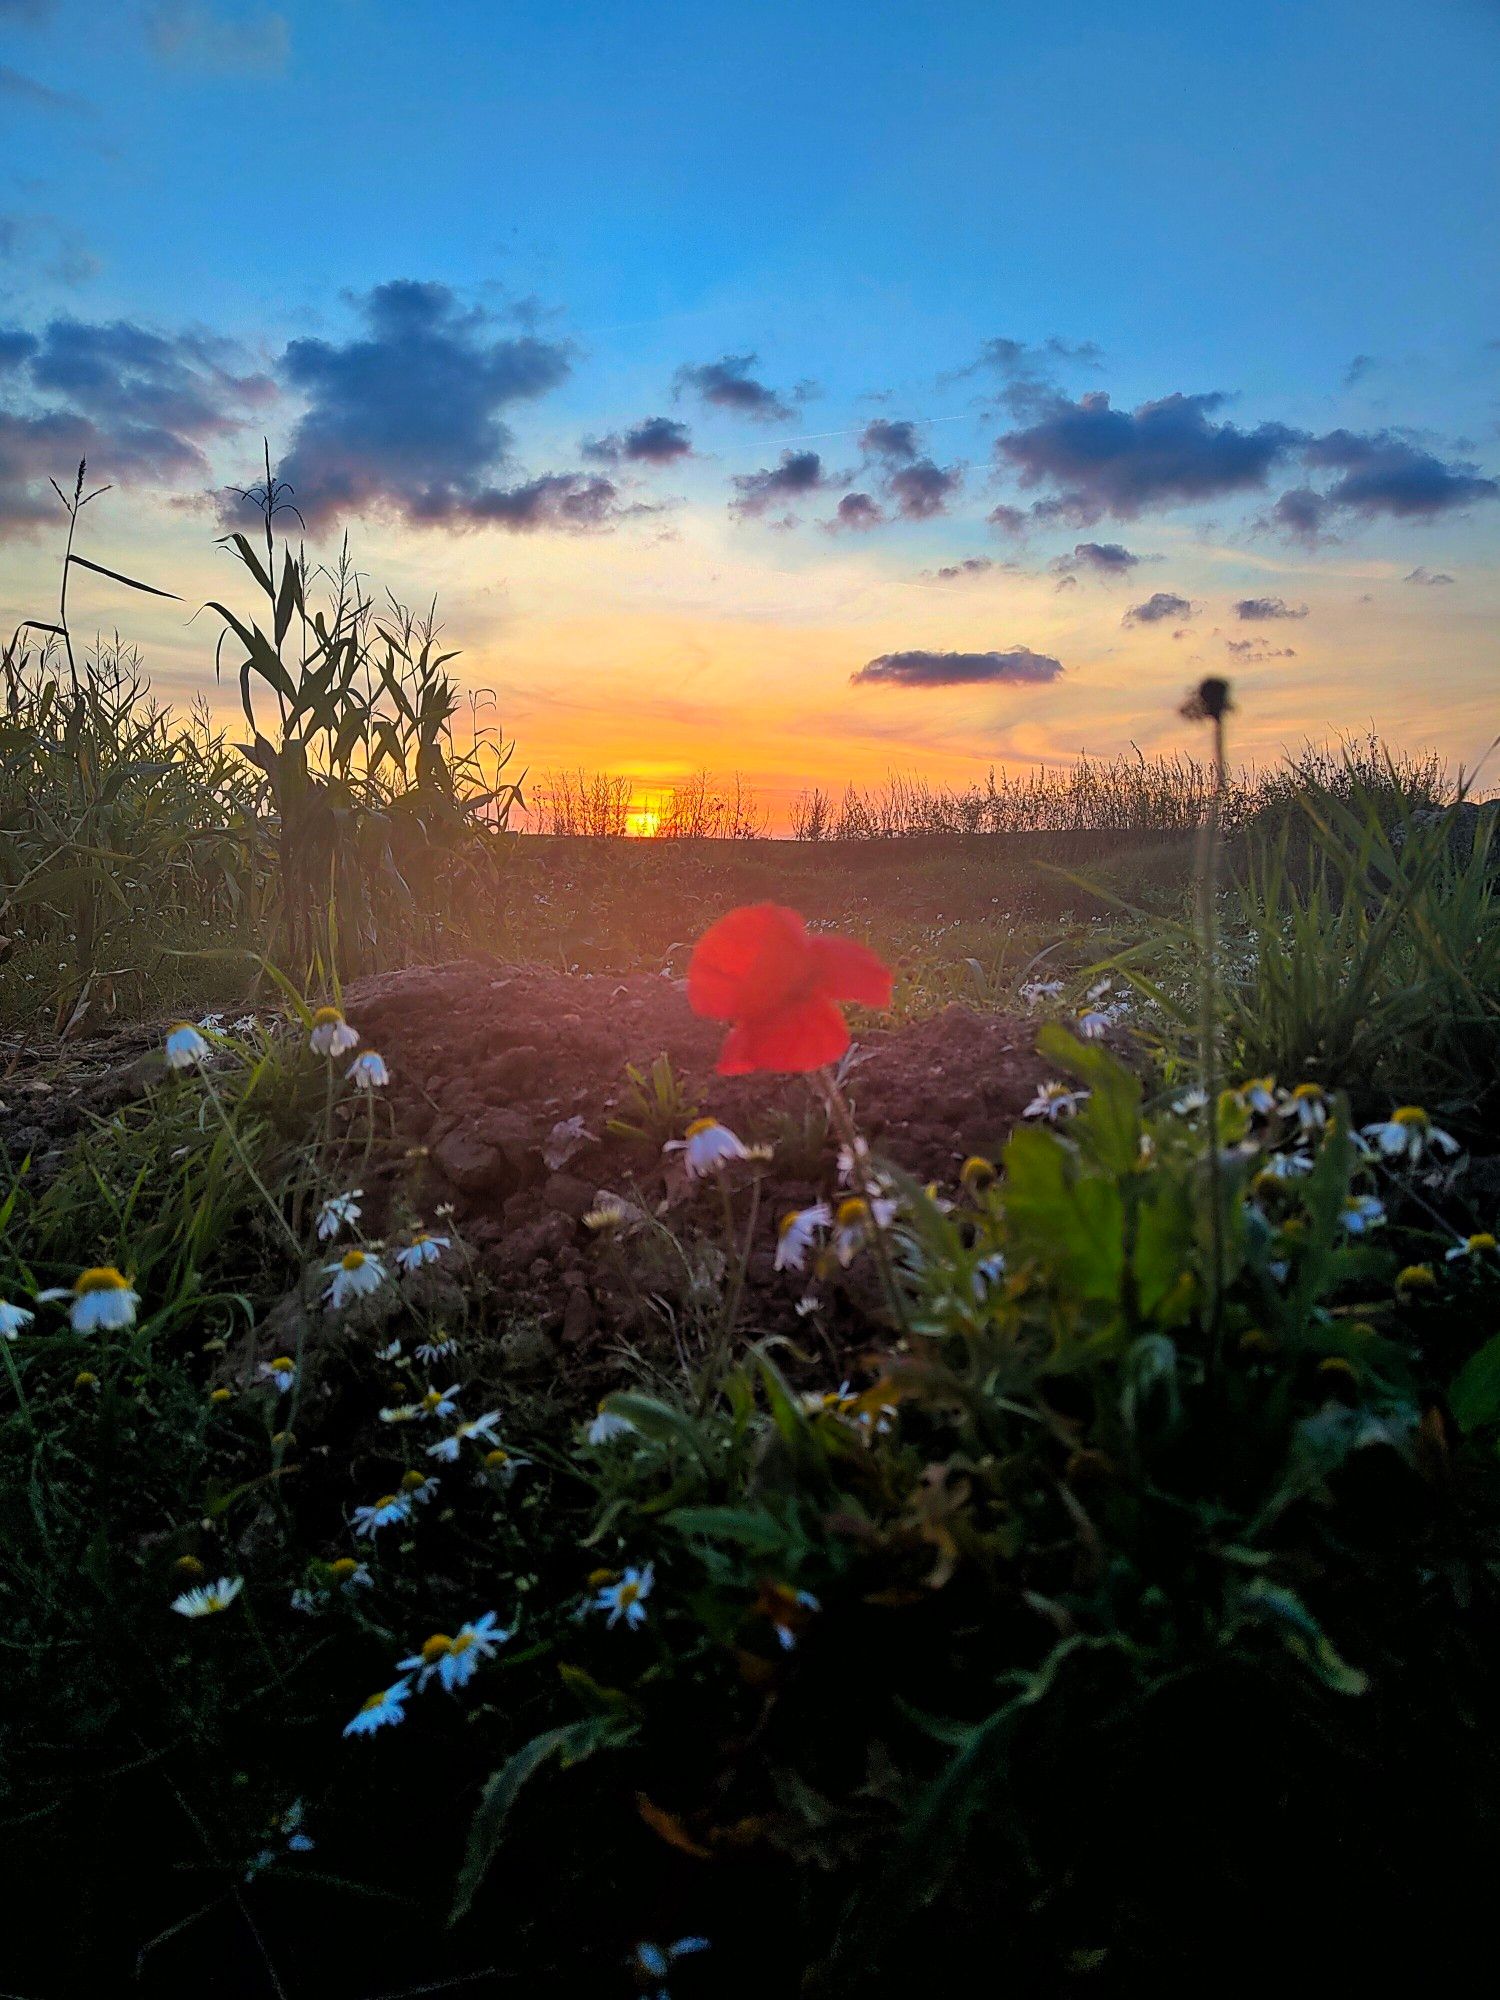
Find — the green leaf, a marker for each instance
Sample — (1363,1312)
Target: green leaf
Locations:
(115,577)
(1069,1222)
(1475,1396)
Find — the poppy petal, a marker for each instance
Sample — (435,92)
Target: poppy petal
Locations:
(803,1036)
(850,971)
(747,962)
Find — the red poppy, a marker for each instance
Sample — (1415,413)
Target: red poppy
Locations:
(759,969)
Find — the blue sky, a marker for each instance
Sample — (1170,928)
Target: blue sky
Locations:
(1290,209)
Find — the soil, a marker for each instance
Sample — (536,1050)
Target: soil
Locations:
(509,1078)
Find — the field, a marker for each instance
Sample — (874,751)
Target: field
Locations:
(1022,1492)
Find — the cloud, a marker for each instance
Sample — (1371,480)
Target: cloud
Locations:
(922,489)
(1300,515)
(1103,558)
(139,404)
(1385,473)
(653,441)
(1358,369)
(1260,609)
(1099,461)
(728,385)
(1009,520)
(41,96)
(798,474)
(1021,361)
(859,511)
(47,245)
(573,501)
(895,441)
(970,566)
(1252,652)
(1160,605)
(1018,667)
(406,418)
(1421,574)
(229,41)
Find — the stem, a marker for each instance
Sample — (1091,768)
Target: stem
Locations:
(1208,1050)
(843,1121)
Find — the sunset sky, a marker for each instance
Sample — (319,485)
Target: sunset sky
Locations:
(810,391)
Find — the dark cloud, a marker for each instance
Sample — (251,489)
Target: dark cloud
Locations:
(1017,667)
(889,439)
(228,42)
(575,502)
(1009,520)
(922,489)
(729,385)
(1259,609)
(1299,514)
(1422,574)
(40,96)
(1384,473)
(798,474)
(859,511)
(1102,558)
(1358,369)
(1021,360)
(140,405)
(970,566)
(1100,461)
(1159,606)
(653,441)
(406,419)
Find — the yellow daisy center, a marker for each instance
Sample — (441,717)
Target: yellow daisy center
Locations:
(1482,1241)
(629,1592)
(852,1212)
(435,1647)
(701,1125)
(385,1500)
(374,1701)
(1411,1116)
(100,1278)
(327,1017)
(410,1481)
(352,1260)
(342,1566)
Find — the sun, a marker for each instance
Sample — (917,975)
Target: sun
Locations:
(642,822)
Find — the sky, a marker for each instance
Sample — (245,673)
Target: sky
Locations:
(804,392)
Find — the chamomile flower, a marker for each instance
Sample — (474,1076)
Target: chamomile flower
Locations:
(1190,1101)
(626,1598)
(345,1574)
(454,1661)
(1408,1133)
(340,1211)
(437,1349)
(1481,1244)
(1362,1212)
(855,1224)
(102,1300)
(185,1047)
(1258,1095)
(1034,990)
(400,1413)
(441,1402)
(391,1351)
(354,1276)
(654,1962)
(1054,1101)
(382,1513)
(477,1428)
(209,1598)
(282,1372)
(368,1072)
(422,1249)
(1307,1103)
(786,1610)
(707,1148)
(798,1235)
(381,1710)
(1091,1024)
(12,1319)
(606,1426)
(1288,1166)
(331,1034)
(419,1487)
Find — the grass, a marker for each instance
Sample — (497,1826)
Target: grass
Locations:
(1106,1570)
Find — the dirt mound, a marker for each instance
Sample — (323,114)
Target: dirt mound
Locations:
(511,1077)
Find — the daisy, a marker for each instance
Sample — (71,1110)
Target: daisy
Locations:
(390,1507)
(422,1249)
(1408,1133)
(441,1402)
(419,1488)
(211,1597)
(1189,1102)
(1092,1023)
(1054,1101)
(797,1235)
(185,1047)
(389,1706)
(1033,990)
(1482,1244)
(855,1224)
(1288,1166)
(438,1349)
(12,1319)
(449,1447)
(391,1351)
(400,1413)
(606,1425)
(627,1598)
(282,1371)
(331,1034)
(708,1148)
(1362,1212)
(988,1272)
(349,1574)
(102,1300)
(786,1610)
(340,1211)
(654,1961)
(368,1072)
(1258,1095)
(454,1661)
(354,1276)
(1308,1104)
